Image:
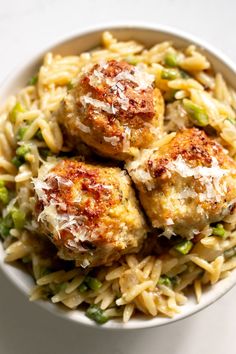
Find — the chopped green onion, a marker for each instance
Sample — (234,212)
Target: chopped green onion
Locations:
(15,111)
(230,253)
(21,132)
(171,60)
(95,313)
(92,283)
(6,224)
(17,161)
(132,60)
(18,217)
(184,247)
(82,288)
(169,74)
(197,113)
(165,280)
(218,230)
(22,150)
(33,80)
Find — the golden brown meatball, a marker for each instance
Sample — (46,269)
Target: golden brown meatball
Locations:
(114,109)
(186,183)
(88,211)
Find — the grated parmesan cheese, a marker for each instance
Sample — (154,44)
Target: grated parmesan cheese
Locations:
(113,140)
(104,106)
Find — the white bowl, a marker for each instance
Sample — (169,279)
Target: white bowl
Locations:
(83,41)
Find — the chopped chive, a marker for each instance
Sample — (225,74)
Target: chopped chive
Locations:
(197,113)
(171,60)
(184,247)
(169,74)
(33,80)
(82,288)
(95,313)
(92,283)
(18,217)
(15,111)
(218,230)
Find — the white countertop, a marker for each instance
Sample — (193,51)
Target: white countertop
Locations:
(25,27)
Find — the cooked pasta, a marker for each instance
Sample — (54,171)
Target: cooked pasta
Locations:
(156,278)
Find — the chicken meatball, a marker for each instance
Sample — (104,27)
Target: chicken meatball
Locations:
(114,109)
(186,183)
(89,212)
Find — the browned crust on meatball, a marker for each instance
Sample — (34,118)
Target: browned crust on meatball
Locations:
(133,116)
(104,195)
(195,147)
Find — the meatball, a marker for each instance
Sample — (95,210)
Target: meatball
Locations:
(89,212)
(114,109)
(186,183)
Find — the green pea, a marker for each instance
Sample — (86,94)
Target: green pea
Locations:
(165,280)
(82,288)
(22,150)
(6,224)
(169,74)
(18,217)
(92,283)
(171,59)
(95,313)
(196,113)
(15,111)
(218,230)
(132,60)
(4,195)
(184,247)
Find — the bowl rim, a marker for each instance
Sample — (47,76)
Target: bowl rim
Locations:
(29,61)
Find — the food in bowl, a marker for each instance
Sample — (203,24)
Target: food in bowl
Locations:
(117,179)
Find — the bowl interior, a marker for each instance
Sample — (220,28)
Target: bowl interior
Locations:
(84,42)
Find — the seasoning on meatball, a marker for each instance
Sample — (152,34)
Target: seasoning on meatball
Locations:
(186,183)
(89,212)
(114,109)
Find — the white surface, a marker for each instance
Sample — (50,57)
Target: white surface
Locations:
(25,328)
